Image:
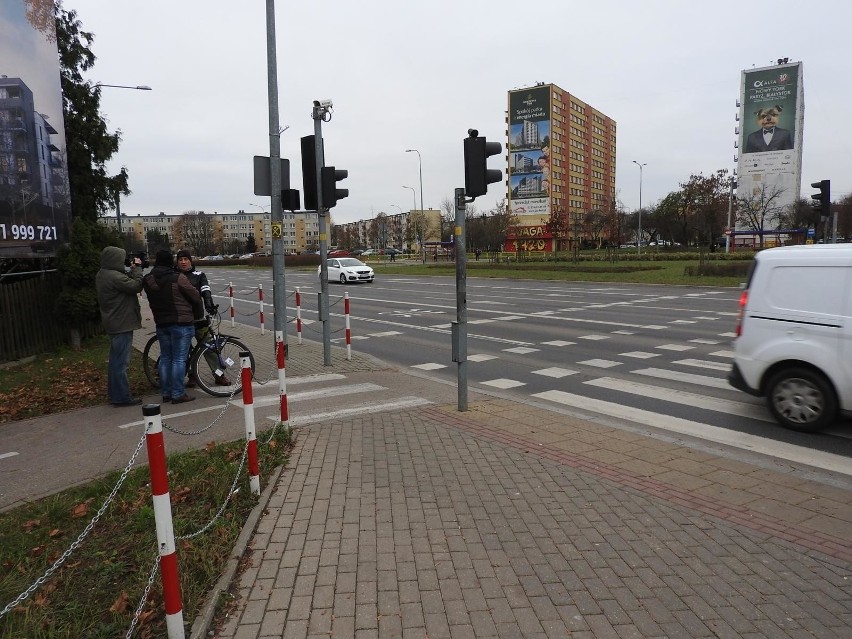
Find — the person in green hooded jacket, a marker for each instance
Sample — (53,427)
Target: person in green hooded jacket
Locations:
(118,289)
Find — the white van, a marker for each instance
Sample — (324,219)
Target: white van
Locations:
(794,334)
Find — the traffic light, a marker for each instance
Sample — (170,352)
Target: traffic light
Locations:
(822,200)
(290,199)
(477,175)
(309,172)
(330,192)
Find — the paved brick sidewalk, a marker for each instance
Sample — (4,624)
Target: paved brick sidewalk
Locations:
(513,521)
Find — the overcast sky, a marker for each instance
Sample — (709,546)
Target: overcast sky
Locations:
(417,75)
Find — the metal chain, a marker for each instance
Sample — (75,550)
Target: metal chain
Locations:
(224,504)
(221,414)
(76,543)
(151,576)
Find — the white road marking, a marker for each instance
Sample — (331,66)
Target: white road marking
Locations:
(555,371)
(687,378)
(480,357)
(704,341)
(429,366)
(559,342)
(685,398)
(706,432)
(503,383)
(639,354)
(730,354)
(594,337)
(521,350)
(624,332)
(352,389)
(385,334)
(675,347)
(405,402)
(7,455)
(703,363)
(600,363)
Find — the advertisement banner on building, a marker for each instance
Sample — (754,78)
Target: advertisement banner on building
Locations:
(529,151)
(770,140)
(35,207)
(534,238)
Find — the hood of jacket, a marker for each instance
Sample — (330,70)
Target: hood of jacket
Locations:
(112,258)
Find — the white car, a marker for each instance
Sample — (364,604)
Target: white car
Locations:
(794,335)
(347,269)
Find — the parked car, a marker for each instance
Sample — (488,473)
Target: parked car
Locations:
(793,342)
(393,251)
(211,258)
(368,252)
(346,270)
(339,253)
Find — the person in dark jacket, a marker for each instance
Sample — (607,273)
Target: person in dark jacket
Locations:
(199,281)
(171,297)
(118,289)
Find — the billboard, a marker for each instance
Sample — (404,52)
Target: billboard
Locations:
(529,151)
(770,133)
(35,207)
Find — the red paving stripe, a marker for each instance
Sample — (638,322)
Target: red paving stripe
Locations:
(740,515)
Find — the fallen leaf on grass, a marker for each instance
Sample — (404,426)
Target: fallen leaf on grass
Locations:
(81,510)
(120,604)
(30,524)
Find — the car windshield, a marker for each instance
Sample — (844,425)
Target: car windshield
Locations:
(348,261)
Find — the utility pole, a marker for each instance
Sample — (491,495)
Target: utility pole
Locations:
(279,289)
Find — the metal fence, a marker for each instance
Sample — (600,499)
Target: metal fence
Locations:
(28,324)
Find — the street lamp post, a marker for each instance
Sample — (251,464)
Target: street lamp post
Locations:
(639,239)
(138,87)
(414,200)
(420,166)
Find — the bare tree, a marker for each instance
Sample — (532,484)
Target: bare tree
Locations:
(760,209)
(559,226)
(196,231)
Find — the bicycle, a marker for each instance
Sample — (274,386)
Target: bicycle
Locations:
(207,362)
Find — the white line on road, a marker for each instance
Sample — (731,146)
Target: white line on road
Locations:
(687,378)
(781,450)
(5,455)
(405,402)
(703,363)
(740,409)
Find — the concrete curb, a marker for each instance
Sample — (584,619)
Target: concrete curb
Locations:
(204,619)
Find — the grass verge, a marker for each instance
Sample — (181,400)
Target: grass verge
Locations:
(95,592)
(670,272)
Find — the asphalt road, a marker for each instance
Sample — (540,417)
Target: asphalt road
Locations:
(653,355)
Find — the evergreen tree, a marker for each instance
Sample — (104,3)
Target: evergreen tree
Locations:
(89,143)
(89,146)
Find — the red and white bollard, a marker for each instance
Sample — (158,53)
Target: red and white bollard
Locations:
(282,378)
(299,315)
(163,519)
(248,415)
(348,331)
(262,322)
(231,296)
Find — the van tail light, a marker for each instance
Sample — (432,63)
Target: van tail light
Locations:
(741,312)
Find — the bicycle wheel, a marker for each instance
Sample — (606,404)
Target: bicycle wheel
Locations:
(217,370)
(151,361)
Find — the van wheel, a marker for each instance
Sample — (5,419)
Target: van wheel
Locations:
(801,399)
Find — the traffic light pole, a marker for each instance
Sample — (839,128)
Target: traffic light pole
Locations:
(279,289)
(459,332)
(318,114)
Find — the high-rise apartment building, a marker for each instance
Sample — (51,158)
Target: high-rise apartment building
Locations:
(561,157)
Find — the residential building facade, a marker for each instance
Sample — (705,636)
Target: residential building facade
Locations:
(561,158)
(230,231)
